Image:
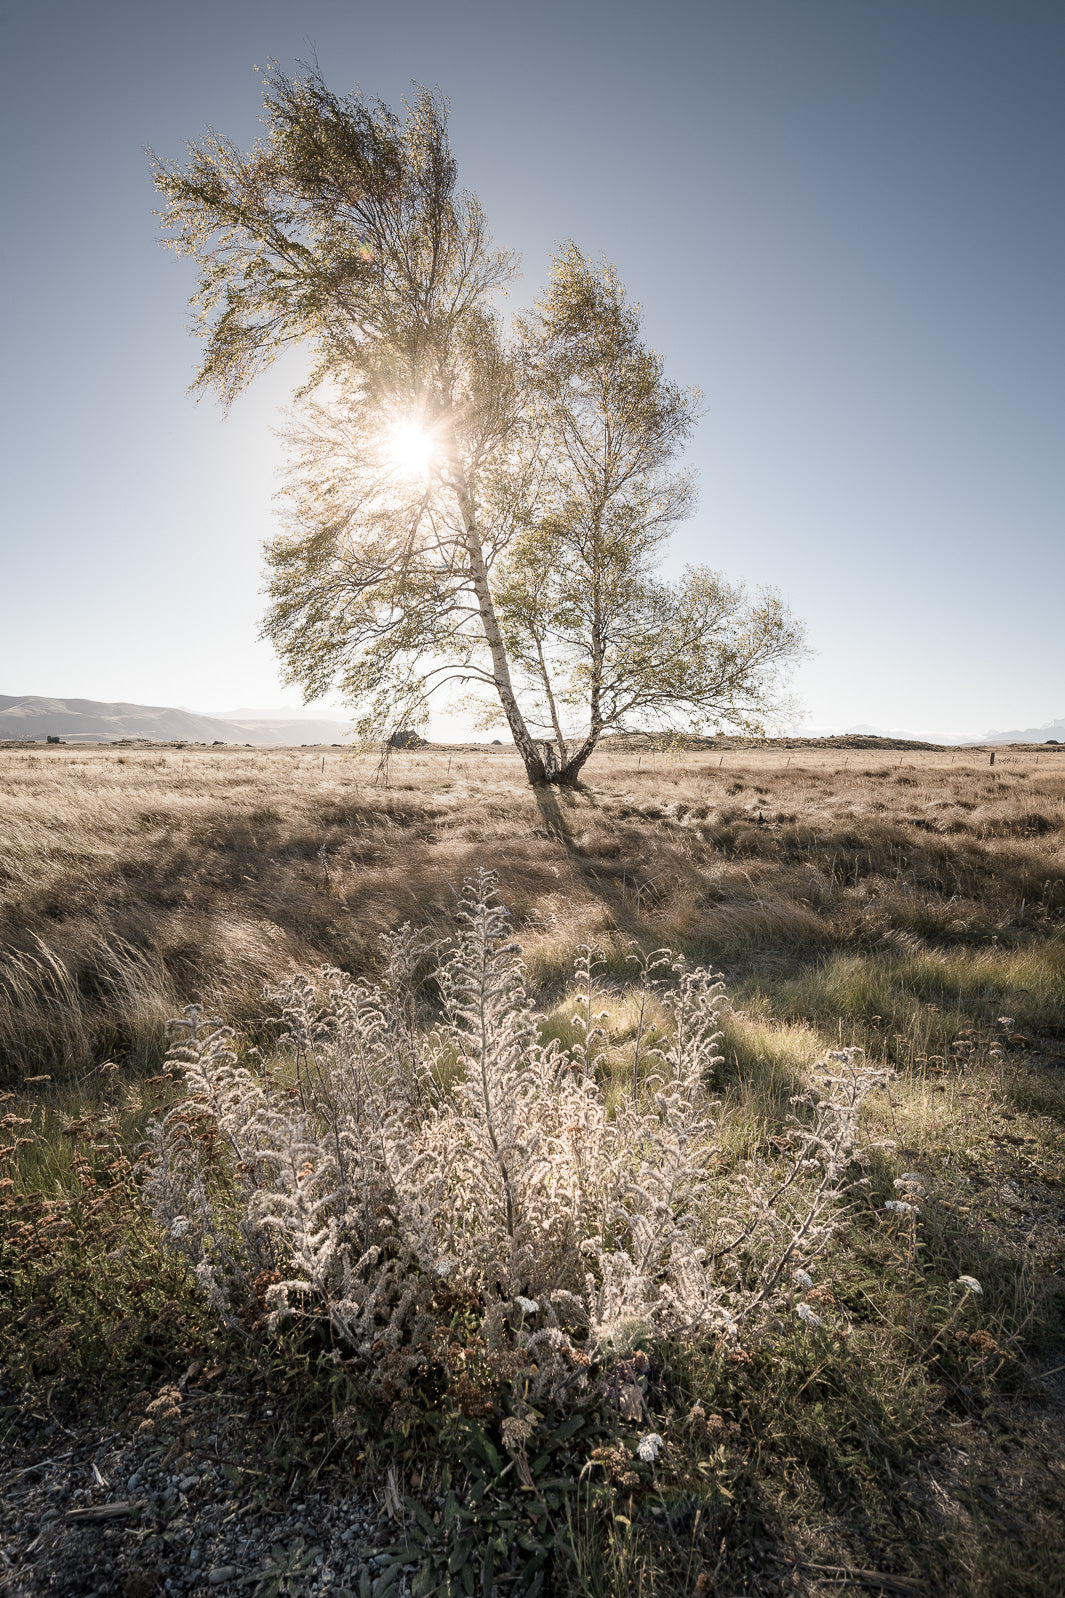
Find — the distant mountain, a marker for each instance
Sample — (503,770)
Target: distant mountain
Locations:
(92,721)
(285,726)
(265,733)
(273,713)
(1030,735)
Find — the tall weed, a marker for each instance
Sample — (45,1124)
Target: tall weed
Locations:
(387,1166)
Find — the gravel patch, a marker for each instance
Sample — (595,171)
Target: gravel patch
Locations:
(174,1496)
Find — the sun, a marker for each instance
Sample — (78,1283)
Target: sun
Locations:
(409,449)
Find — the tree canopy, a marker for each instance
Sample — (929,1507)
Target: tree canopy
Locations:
(464,505)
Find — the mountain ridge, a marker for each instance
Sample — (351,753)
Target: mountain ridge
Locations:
(36,716)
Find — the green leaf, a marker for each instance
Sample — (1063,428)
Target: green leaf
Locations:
(421,1515)
(568,1428)
(488,1451)
(459,1556)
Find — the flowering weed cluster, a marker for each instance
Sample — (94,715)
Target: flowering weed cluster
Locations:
(388,1166)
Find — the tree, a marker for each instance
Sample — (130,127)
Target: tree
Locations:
(462,506)
(599,639)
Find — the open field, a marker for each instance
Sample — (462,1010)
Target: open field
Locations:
(911,903)
(137,881)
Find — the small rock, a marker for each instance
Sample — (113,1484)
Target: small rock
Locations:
(220,1573)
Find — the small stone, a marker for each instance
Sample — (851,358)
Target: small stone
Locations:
(220,1573)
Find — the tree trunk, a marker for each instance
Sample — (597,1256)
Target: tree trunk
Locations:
(569,774)
(552,769)
(549,762)
(523,739)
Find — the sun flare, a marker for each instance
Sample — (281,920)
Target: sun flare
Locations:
(410,449)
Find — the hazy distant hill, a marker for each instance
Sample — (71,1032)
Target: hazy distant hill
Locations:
(90,721)
(1030,735)
(294,732)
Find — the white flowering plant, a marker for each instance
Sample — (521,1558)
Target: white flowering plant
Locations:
(391,1162)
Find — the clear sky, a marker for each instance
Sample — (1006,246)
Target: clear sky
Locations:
(844,220)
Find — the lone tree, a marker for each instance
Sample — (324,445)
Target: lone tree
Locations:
(462,506)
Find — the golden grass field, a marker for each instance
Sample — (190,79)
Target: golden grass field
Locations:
(911,902)
(136,881)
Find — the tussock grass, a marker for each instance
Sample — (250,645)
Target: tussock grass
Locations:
(130,880)
(911,904)
(918,1001)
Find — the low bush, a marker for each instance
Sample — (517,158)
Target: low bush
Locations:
(386,1169)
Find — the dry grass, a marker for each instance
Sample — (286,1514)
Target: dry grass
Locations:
(852,888)
(909,902)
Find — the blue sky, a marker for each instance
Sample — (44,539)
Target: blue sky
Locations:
(843,219)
